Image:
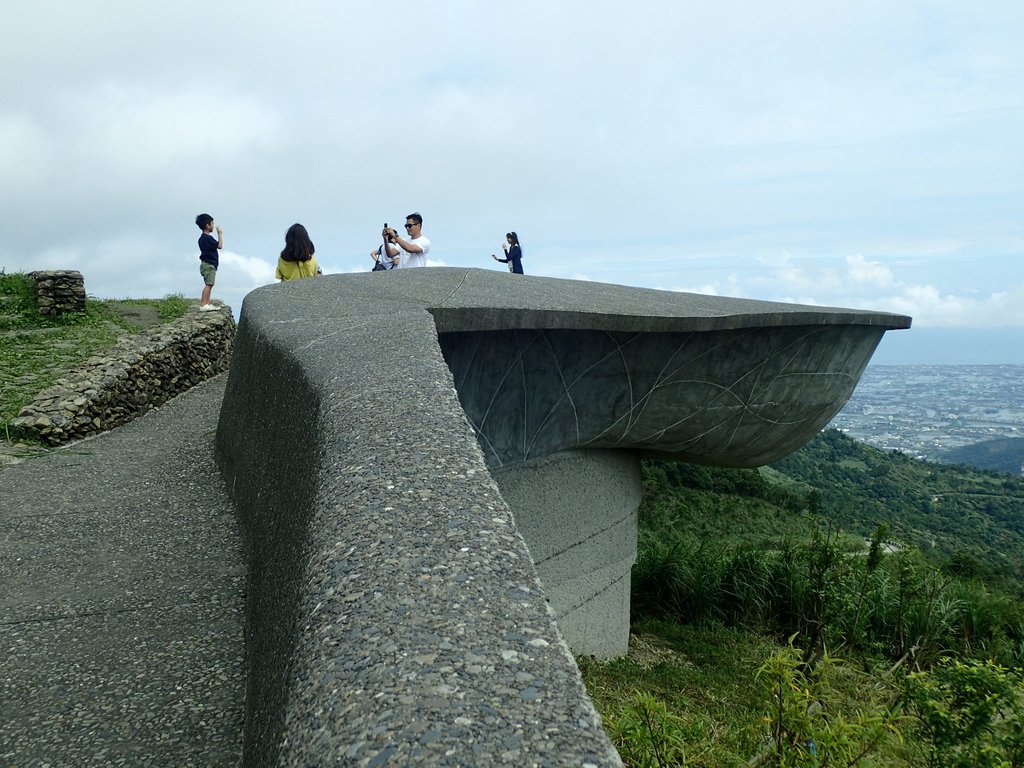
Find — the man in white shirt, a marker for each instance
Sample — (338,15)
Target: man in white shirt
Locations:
(413,249)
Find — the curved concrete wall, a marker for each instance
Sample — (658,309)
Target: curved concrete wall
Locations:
(395,608)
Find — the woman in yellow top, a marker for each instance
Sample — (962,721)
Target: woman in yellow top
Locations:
(297,259)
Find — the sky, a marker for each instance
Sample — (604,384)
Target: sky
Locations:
(866,155)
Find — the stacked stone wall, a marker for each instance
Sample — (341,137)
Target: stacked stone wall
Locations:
(140,373)
(59,291)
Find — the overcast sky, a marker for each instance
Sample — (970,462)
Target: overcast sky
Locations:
(866,155)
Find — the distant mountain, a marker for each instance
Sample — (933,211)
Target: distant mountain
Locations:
(1003,454)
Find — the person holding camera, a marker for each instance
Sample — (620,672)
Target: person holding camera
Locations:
(513,254)
(382,260)
(412,250)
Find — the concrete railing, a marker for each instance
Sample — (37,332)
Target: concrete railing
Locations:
(409,450)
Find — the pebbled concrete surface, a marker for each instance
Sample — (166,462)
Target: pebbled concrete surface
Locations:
(403,622)
(122,599)
(396,614)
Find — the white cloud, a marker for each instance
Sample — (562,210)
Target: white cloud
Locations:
(933,309)
(133,129)
(706,290)
(868,273)
(872,285)
(22,153)
(252,269)
(868,156)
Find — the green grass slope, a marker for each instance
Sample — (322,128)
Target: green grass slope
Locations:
(970,516)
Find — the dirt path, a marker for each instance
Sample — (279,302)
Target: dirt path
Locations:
(141,315)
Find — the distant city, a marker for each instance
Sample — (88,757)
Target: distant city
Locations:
(924,410)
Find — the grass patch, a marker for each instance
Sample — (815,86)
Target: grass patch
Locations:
(856,464)
(31,363)
(701,674)
(701,682)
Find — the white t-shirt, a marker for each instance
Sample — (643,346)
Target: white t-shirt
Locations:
(408,260)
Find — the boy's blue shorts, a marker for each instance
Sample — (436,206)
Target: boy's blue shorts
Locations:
(208,271)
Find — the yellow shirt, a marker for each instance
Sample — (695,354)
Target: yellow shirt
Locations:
(293,270)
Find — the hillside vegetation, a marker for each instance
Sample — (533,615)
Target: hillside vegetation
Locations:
(970,518)
(846,606)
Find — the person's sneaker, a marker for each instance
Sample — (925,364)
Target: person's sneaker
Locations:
(208,308)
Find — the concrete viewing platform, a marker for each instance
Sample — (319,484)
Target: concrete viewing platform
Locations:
(425,504)
(437,474)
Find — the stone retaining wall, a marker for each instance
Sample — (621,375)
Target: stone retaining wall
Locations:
(59,291)
(141,372)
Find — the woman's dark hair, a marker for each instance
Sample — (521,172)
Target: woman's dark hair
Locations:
(514,237)
(297,245)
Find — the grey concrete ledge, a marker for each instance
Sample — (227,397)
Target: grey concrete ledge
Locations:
(395,613)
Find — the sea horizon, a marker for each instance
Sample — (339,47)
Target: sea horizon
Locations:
(951,346)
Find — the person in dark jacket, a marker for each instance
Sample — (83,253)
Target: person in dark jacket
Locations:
(513,254)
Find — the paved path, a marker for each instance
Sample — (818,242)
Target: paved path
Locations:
(122,599)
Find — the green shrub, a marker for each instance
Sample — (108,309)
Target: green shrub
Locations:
(648,735)
(804,726)
(971,714)
(17,297)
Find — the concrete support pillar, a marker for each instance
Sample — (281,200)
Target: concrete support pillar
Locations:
(577,512)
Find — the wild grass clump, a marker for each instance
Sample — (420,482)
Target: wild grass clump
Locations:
(677,578)
(713,696)
(17,298)
(898,606)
